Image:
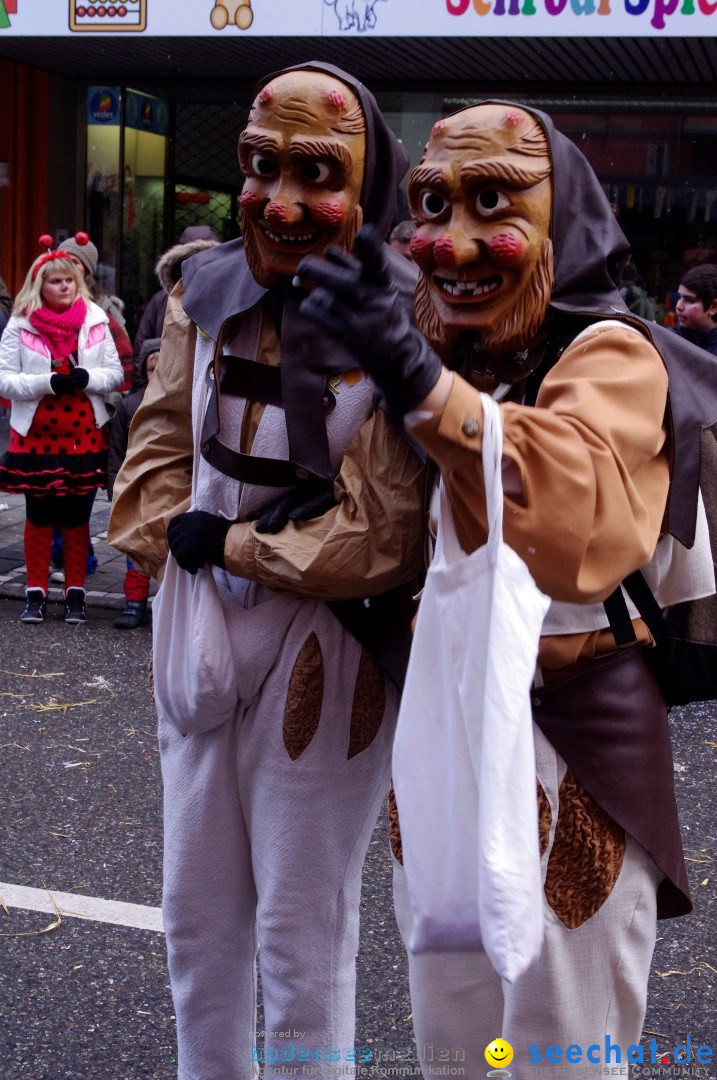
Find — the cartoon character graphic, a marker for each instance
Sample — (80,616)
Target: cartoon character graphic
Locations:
(354,14)
(7,8)
(88,16)
(231,13)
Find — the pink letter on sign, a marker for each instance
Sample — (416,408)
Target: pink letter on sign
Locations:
(457,7)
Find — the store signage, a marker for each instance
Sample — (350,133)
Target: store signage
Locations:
(103,105)
(366,18)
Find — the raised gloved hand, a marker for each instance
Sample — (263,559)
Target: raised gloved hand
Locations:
(301,504)
(353,298)
(64,384)
(196,538)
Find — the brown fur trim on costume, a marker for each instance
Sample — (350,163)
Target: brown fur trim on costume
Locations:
(544,819)
(394,827)
(586,857)
(369,704)
(171,258)
(304,698)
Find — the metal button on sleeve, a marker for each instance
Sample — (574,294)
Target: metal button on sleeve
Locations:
(470,427)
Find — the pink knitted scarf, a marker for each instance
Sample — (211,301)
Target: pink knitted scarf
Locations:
(60,328)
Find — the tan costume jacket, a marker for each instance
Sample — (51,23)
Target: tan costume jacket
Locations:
(369,543)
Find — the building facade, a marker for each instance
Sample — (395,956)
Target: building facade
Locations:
(123,120)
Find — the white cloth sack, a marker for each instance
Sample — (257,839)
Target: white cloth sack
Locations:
(195,685)
(194,674)
(464,758)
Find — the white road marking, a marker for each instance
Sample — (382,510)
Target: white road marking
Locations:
(74,905)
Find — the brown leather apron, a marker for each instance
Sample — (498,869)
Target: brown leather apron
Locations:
(608,721)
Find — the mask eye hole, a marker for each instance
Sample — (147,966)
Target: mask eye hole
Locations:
(261,165)
(490,200)
(432,204)
(318,172)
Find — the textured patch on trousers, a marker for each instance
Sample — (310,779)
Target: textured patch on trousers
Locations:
(544,820)
(586,857)
(394,827)
(369,704)
(150,672)
(304,698)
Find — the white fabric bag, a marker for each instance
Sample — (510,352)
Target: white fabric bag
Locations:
(464,758)
(195,686)
(194,673)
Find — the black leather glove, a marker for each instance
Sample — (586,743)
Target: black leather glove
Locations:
(65,384)
(196,538)
(301,504)
(354,300)
(80,377)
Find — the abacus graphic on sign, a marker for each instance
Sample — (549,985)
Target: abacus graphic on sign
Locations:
(86,16)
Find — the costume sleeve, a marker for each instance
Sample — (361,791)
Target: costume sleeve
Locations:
(370,542)
(124,351)
(155,480)
(588,467)
(117,444)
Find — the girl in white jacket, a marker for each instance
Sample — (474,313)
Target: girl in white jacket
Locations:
(57,363)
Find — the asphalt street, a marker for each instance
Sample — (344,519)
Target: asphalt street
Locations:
(87,998)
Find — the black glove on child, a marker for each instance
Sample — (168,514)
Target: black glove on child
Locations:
(196,538)
(354,300)
(301,504)
(64,384)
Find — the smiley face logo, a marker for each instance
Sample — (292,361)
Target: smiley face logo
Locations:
(499,1053)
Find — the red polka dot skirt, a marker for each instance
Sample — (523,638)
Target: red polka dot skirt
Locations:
(63,453)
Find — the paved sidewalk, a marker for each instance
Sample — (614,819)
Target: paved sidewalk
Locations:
(104,587)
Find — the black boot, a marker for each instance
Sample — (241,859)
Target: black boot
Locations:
(134,615)
(75,606)
(34,610)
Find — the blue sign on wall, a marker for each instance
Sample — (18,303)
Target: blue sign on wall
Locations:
(103,105)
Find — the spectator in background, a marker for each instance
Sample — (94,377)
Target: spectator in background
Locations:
(58,362)
(400,238)
(5,313)
(83,251)
(136,584)
(696,308)
(194,239)
(5,305)
(635,295)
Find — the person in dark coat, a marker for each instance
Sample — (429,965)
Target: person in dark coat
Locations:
(194,239)
(696,308)
(136,584)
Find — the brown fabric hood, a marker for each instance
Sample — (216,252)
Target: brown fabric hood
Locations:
(590,251)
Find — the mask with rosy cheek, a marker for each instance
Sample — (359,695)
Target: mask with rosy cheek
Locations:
(303,154)
(482,199)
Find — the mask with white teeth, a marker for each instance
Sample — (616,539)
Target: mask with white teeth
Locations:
(482,197)
(302,153)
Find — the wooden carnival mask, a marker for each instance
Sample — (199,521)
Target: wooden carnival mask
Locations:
(303,154)
(482,199)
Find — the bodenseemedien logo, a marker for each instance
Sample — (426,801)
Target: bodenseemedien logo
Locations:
(499,1053)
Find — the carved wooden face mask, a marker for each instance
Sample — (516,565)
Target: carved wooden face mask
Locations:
(482,199)
(302,154)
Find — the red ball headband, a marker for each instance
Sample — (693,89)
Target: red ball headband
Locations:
(81,238)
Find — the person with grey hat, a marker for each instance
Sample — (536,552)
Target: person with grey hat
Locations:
(136,584)
(82,250)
